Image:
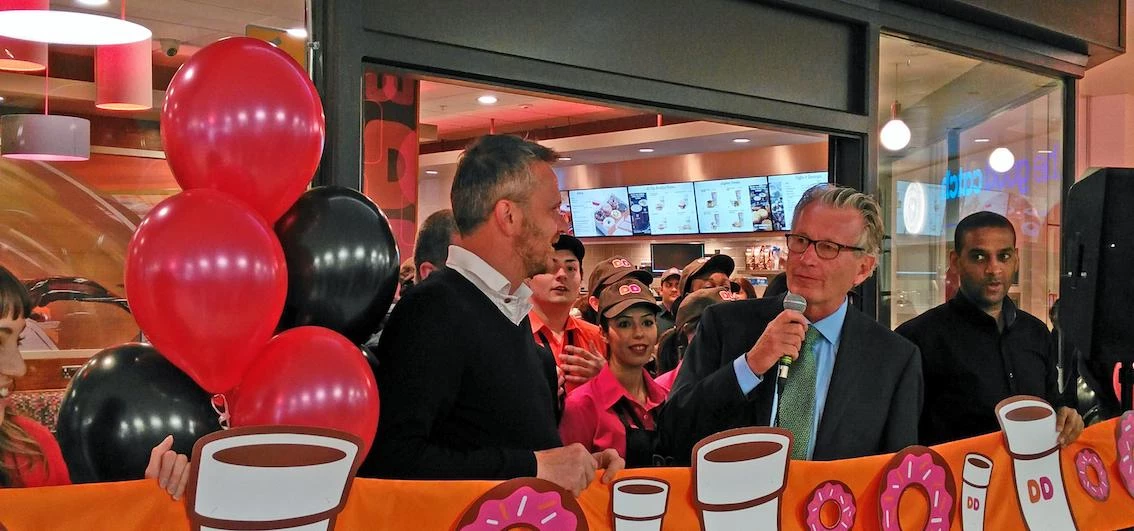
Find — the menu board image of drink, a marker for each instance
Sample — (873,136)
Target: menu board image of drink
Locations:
(785,192)
(663,209)
(600,212)
(565,211)
(732,205)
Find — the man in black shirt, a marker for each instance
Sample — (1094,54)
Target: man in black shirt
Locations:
(979,348)
(466,393)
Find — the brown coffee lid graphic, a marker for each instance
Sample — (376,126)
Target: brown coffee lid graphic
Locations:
(524,503)
(925,469)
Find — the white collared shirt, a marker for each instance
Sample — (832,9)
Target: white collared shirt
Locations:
(514,305)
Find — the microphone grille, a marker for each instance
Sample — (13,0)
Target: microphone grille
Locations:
(795,302)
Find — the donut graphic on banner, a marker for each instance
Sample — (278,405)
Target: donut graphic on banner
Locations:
(1029,433)
(739,476)
(975,477)
(524,503)
(1124,444)
(638,503)
(271,477)
(839,496)
(922,469)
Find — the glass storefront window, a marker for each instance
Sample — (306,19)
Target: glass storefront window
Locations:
(984,136)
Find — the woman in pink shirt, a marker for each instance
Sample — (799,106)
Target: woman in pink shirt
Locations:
(616,408)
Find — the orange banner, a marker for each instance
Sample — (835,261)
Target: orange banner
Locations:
(1103,503)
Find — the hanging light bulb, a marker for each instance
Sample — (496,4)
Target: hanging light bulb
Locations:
(895,134)
(1001,159)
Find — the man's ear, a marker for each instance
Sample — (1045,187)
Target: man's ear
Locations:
(508,216)
(424,270)
(593,301)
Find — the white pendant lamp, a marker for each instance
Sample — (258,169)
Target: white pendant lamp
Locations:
(1001,159)
(895,135)
(43,136)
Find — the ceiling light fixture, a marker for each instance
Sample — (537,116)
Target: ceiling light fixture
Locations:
(299,33)
(741,140)
(19,55)
(645,150)
(92,2)
(124,75)
(487,99)
(1042,151)
(981,140)
(71,28)
(431,172)
(1001,159)
(564,159)
(43,136)
(895,135)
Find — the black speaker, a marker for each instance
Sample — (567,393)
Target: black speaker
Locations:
(1096,287)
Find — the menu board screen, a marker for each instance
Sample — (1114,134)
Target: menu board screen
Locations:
(600,212)
(663,209)
(733,205)
(785,192)
(565,211)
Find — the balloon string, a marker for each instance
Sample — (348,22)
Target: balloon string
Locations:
(220,405)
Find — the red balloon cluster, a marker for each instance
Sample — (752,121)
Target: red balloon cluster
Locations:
(206,276)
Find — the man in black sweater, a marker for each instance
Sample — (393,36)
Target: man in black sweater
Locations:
(466,394)
(979,348)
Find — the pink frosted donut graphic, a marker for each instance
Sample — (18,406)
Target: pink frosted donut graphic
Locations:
(1124,433)
(1088,459)
(838,493)
(922,467)
(524,503)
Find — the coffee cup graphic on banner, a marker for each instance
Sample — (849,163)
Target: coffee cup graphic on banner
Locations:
(738,477)
(975,477)
(271,477)
(1029,433)
(638,504)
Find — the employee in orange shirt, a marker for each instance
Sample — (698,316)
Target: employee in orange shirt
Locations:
(576,344)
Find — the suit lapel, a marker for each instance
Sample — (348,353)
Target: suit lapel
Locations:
(851,363)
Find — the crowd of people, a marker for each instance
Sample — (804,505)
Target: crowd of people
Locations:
(492,365)
(496,366)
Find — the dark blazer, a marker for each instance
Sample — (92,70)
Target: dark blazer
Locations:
(873,402)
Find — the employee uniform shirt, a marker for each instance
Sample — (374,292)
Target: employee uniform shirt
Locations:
(590,418)
(577,333)
(970,366)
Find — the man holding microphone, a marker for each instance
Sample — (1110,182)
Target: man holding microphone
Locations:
(854,388)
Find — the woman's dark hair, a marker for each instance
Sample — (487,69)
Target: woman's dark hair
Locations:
(15,302)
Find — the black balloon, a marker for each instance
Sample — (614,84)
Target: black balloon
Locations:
(121,404)
(342,262)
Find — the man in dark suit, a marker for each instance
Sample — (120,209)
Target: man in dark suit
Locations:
(854,387)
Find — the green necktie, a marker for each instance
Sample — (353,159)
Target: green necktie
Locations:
(797,403)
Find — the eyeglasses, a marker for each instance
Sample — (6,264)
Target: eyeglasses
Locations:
(825,249)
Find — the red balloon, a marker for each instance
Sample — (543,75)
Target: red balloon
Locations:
(309,376)
(206,280)
(242,117)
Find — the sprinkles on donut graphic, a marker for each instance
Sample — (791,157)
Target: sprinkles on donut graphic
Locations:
(1088,459)
(1124,443)
(835,492)
(524,503)
(917,466)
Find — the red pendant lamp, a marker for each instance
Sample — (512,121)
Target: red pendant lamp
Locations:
(19,55)
(124,75)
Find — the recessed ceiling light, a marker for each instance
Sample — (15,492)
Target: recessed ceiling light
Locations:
(93,2)
(1042,151)
(299,33)
(487,99)
(564,159)
(741,140)
(431,172)
(980,140)
(645,150)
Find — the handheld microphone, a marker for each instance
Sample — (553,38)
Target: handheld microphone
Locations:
(799,304)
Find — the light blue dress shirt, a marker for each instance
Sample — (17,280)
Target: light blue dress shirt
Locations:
(830,328)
